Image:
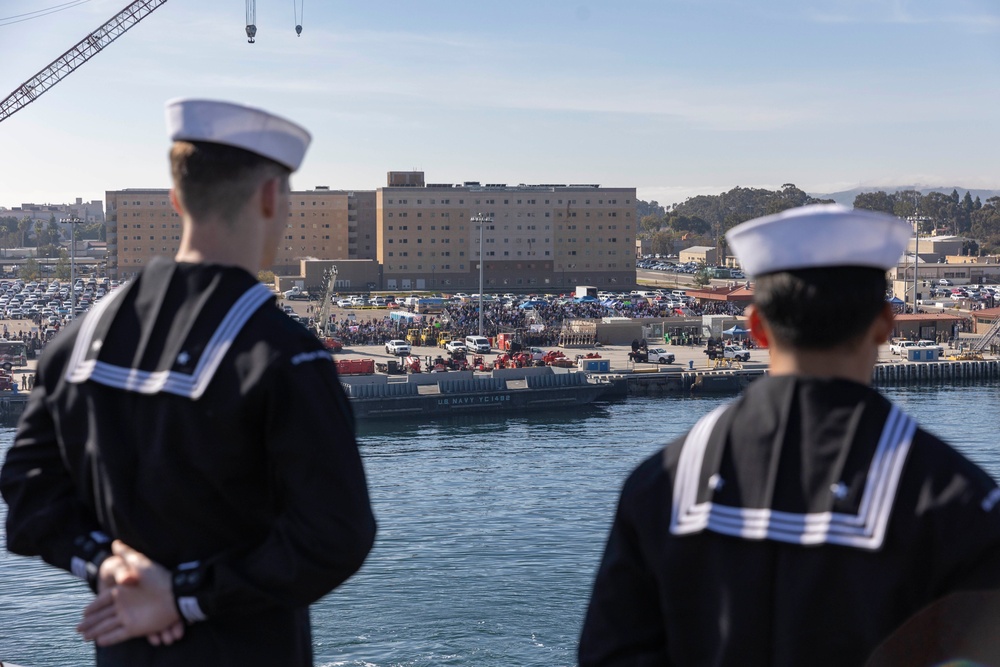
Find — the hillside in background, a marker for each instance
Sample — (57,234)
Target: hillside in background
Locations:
(847,196)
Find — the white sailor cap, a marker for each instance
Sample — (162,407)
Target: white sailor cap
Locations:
(230,124)
(819,235)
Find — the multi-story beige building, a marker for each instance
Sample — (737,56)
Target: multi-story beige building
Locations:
(544,237)
(540,237)
(322,224)
(141,224)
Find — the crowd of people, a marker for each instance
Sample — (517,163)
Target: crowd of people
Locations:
(545,321)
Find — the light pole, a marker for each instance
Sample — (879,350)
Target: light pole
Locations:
(330,278)
(73,221)
(916,260)
(481,220)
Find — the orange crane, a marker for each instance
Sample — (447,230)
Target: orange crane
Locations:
(84,50)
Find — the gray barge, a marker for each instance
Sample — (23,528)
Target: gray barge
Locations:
(510,390)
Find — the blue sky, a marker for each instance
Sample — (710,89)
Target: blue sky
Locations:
(674,97)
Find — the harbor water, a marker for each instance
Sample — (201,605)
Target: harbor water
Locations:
(490,530)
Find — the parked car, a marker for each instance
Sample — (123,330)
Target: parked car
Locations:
(399,348)
(737,353)
(454,346)
(659,355)
(478,344)
(345,303)
(537,353)
(899,347)
(930,344)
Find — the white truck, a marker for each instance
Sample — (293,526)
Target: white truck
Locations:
(930,344)
(296,293)
(900,346)
(737,353)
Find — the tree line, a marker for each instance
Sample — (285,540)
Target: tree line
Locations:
(943,214)
(45,237)
(702,220)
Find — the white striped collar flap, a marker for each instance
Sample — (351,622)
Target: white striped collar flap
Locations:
(864,530)
(84,364)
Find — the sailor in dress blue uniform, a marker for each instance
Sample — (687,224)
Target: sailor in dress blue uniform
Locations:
(191,421)
(805,522)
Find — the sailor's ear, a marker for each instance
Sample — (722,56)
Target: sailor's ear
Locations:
(757,325)
(269,197)
(883,325)
(175,202)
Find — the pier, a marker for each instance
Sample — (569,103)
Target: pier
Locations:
(11,406)
(625,379)
(942,372)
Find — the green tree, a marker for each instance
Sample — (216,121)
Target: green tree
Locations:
(39,226)
(702,276)
(906,203)
(728,209)
(63,268)
(986,225)
(266,277)
(967,203)
(22,226)
(686,223)
(52,232)
(93,232)
(49,250)
(876,201)
(30,269)
(662,243)
(642,209)
(651,223)
(944,211)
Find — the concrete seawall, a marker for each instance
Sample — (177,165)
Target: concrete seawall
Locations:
(942,372)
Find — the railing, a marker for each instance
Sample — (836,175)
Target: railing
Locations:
(988,337)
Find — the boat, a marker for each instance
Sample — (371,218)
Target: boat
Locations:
(509,390)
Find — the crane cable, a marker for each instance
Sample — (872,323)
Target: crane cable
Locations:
(299,9)
(251,20)
(39,13)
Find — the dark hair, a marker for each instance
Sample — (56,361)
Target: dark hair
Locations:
(216,180)
(820,308)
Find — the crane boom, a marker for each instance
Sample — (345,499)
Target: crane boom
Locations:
(84,50)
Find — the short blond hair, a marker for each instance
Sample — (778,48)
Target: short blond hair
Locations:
(213,180)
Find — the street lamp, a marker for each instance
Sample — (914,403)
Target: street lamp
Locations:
(482,221)
(916,263)
(329,283)
(73,221)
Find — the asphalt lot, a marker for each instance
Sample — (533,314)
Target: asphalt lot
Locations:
(618,354)
(686,356)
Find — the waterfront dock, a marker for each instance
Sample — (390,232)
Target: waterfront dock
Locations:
(691,373)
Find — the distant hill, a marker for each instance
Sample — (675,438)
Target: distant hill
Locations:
(847,196)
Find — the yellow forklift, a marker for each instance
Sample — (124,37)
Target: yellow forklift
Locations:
(429,336)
